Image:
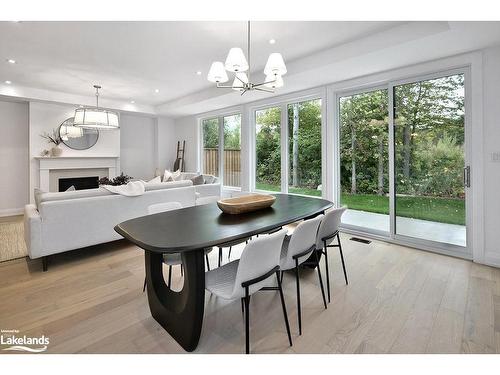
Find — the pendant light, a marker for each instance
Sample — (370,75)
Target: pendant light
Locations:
(95,117)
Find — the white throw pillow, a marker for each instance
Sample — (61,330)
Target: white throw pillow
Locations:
(167,176)
(71,188)
(176,176)
(155,180)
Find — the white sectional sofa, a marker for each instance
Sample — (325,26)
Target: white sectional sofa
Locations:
(65,221)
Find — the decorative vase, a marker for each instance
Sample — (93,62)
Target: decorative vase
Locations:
(56,151)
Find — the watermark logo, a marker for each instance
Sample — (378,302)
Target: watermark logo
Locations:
(15,342)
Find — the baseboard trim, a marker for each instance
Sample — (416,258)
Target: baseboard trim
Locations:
(11,212)
(491,260)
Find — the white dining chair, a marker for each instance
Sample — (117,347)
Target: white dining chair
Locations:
(296,250)
(328,231)
(171,259)
(241,278)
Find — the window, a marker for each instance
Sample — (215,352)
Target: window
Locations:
(304,148)
(221,152)
(268,149)
(210,129)
(232,150)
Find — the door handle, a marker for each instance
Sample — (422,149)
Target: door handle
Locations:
(467,176)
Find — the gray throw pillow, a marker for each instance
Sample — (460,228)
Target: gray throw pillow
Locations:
(209,179)
(198,180)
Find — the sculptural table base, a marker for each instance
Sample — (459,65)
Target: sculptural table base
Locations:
(179,313)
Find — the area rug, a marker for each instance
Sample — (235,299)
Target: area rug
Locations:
(12,244)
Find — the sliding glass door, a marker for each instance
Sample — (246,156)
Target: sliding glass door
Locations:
(364,158)
(403,168)
(429,159)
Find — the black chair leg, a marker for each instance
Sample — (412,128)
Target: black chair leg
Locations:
(281,279)
(327,270)
(243,306)
(229,255)
(144,287)
(320,279)
(247,322)
(297,281)
(208,262)
(169,276)
(220,256)
(283,306)
(342,258)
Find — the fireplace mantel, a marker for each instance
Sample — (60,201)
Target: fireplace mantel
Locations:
(48,163)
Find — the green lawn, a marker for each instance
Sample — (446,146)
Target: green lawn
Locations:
(443,210)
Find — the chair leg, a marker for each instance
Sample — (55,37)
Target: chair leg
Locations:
(144,287)
(281,279)
(229,255)
(169,276)
(283,306)
(297,282)
(327,270)
(342,258)
(208,262)
(320,279)
(45,263)
(247,322)
(220,256)
(243,306)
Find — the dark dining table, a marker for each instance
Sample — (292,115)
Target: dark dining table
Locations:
(189,231)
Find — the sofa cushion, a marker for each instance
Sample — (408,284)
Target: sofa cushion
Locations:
(76,194)
(168,185)
(198,180)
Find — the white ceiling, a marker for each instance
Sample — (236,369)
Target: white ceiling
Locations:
(132,59)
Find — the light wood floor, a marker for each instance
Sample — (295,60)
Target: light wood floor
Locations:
(399,300)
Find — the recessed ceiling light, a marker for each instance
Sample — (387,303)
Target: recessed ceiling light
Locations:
(198,73)
(157,90)
(8,82)
(11,61)
(272,41)
(132,101)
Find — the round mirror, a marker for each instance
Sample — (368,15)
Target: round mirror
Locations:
(77,138)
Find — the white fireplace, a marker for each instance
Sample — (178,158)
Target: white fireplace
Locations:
(53,168)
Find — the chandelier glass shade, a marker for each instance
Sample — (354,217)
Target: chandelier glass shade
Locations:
(95,117)
(237,63)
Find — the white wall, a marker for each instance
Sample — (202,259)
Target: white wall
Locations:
(14,174)
(44,117)
(186,129)
(138,148)
(491,120)
(166,143)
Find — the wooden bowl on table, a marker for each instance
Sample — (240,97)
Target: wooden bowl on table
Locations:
(246,203)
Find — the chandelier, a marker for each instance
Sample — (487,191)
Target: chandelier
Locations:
(237,63)
(95,117)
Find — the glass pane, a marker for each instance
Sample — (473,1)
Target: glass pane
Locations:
(304,143)
(211,146)
(364,160)
(268,149)
(429,159)
(232,150)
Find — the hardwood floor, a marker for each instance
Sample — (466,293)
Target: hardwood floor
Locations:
(399,300)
